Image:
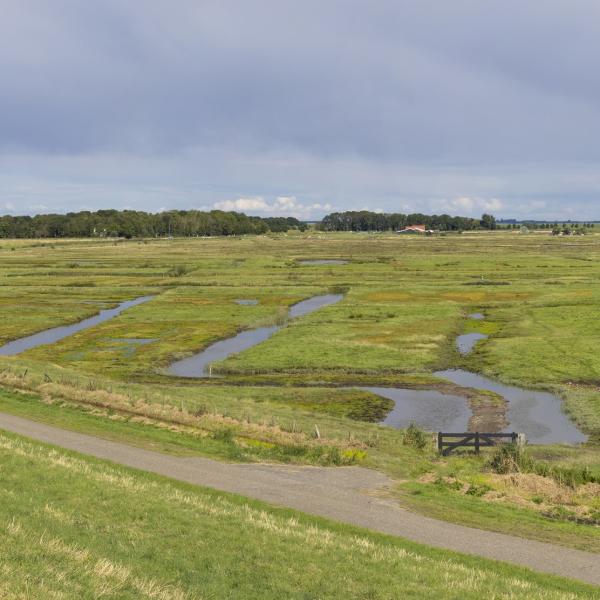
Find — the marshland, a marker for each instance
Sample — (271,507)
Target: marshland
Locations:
(376,365)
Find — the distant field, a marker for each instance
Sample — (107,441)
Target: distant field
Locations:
(81,528)
(405,301)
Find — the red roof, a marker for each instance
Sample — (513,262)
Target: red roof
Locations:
(415,228)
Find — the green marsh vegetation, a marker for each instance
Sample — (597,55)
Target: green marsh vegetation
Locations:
(406,300)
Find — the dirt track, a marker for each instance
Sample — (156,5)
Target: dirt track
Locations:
(349,494)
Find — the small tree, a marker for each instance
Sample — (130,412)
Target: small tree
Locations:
(488,221)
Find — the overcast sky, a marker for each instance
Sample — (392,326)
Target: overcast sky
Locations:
(301,107)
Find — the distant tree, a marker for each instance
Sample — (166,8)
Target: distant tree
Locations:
(370,221)
(129,224)
(488,221)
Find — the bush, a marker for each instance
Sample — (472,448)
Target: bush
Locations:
(415,437)
(225,434)
(509,458)
(178,271)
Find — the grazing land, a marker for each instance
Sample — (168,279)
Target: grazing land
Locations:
(297,396)
(173,541)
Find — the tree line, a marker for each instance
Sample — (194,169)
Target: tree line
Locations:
(131,223)
(365,220)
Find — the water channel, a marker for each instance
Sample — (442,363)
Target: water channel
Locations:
(58,333)
(536,413)
(198,365)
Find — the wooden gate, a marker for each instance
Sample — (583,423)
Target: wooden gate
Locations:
(449,441)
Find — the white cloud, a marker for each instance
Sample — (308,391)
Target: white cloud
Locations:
(538,204)
(243,204)
(288,206)
(468,204)
(463,202)
(492,204)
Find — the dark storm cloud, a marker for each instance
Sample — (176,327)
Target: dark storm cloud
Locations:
(400,86)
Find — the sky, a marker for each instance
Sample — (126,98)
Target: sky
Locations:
(301,108)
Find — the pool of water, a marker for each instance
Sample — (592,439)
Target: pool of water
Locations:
(246,302)
(537,414)
(198,365)
(477,316)
(428,409)
(466,342)
(58,333)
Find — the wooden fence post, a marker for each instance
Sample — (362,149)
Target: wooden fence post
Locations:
(439,441)
(477,442)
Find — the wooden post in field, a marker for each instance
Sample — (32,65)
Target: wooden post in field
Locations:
(439,441)
(477,442)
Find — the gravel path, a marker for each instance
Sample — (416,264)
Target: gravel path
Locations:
(350,494)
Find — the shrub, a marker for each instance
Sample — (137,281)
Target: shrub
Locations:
(178,271)
(478,490)
(415,437)
(509,458)
(225,434)
(352,456)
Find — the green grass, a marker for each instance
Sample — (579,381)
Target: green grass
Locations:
(443,502)
(74,527)
(388,453)
(406,301)
(223,441)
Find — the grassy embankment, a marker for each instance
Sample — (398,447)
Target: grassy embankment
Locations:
(406,300)
(74,527)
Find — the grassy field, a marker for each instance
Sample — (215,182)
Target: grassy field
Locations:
(172,541)
(405,301)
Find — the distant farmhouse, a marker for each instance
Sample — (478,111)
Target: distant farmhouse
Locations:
(418,229)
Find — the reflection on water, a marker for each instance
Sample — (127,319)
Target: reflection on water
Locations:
(426,408)
(537,414)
